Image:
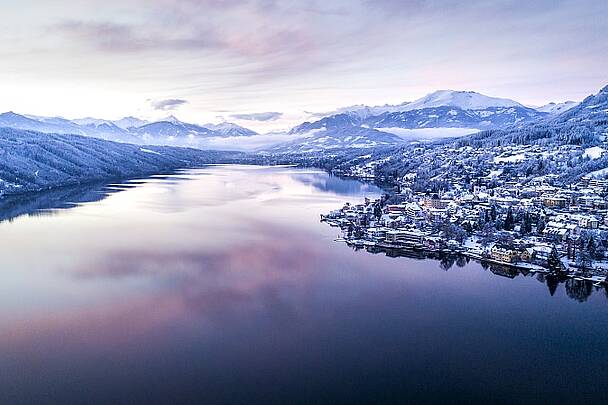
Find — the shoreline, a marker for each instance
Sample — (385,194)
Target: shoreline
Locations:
(597,280)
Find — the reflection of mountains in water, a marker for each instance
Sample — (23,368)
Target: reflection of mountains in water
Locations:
(576,289)
(335,184)
(44,202)
(60,198)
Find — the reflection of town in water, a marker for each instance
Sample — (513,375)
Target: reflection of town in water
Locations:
(576,288)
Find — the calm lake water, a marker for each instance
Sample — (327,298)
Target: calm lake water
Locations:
(220,285)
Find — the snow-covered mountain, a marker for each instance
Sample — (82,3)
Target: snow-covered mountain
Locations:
(34,161)
(449,113)
(466,100)
(441,109)
(455,117)
(363,111)
(557,108)
(327,139)
(592,111)
(228,129)
(170,130)
(31,123)
(130,122)
(584,124)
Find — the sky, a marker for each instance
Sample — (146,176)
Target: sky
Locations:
(269,64)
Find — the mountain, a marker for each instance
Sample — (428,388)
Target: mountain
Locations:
(455,117)
(363,111)
(329,139)
(130,122)
(228,129)
(592,111)
(33,161)
(86,121)
(585,124)
(443,110)
(17,121)
(559,149)
(56,125)
(557,108)
(344,120)
(466,100)
(169,131)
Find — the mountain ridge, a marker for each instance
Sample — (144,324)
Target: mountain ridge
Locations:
(127,129)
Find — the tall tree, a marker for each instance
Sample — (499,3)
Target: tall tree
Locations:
(509,221)
(554,261)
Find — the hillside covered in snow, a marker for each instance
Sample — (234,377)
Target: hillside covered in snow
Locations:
(32,161)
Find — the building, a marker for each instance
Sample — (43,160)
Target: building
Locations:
(436,202)
(413,211)
(411,238)
(502,254)
(377,234)
(555,202)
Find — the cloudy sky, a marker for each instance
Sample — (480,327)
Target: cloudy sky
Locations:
(264,63)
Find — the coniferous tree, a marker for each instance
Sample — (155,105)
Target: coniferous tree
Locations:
(509,221)
(493,213)
(540,225)
(554,261)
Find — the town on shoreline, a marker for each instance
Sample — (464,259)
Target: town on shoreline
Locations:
(535,227)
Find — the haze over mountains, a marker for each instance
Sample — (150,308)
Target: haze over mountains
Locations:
(558,149)
(41,152)
(441,114)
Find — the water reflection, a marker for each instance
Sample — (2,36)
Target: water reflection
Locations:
(336,184)
(47,202)
(220,285)
(577,289)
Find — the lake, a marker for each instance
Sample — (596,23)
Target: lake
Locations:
(220,285)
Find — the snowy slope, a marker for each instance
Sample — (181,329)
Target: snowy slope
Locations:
(130,122)
(170,131)
(444,111)
(33,161)
(324,139)
(228,129)
(466,100)
(557,108)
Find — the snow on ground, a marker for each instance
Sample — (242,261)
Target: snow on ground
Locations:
(495,173)
(467,100)
(510,159)
(149,151)
(428,133)
(594,152)
(599,173)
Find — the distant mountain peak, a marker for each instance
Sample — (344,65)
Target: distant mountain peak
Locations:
(172,119)
(466,100)
(557,108)
(130,122)
(11,114)
(230,129)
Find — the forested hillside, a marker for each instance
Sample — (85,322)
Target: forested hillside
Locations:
(31,161)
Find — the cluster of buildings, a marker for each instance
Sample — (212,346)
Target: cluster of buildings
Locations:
(539,225)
